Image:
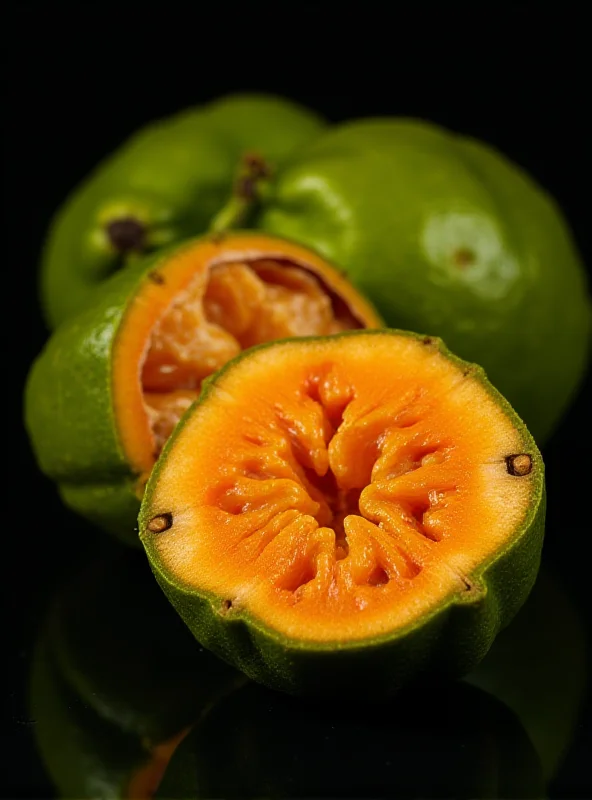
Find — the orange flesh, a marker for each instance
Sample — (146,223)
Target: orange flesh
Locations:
(223,311)
(354,490)
(201,308)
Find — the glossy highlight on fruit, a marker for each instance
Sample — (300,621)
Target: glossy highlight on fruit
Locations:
(113,381)
(449,237)
(374,510)
(161,186)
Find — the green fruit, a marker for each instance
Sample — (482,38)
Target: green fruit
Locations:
(112,381)
(328,532)
(161,186)
(116,682)
(447,236)
(448,741)
(537,667)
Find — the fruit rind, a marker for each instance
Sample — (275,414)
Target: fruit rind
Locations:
(393,201)
(173,176)
(70,398)
(452,638)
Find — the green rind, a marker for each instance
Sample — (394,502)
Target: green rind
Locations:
(537,667)
(392,200)
(451,640)
(69,404)
(69,408)
(173,175)
(444,741)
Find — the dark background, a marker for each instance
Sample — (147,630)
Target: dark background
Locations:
(80,78)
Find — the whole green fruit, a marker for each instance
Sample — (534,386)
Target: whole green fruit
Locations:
(164,184)
(445,235)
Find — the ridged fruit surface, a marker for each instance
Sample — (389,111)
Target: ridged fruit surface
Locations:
(346,513)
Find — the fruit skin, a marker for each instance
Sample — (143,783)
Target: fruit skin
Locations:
(172,176)
(69,408)
(115,675)
(450,641)
(446,741)
(543,685)
(447,236)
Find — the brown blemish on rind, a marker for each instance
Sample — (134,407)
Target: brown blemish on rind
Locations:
(127,234)
(225,607)
(160,523)
(519,465)
(430,341)
(463,257)
(156,277)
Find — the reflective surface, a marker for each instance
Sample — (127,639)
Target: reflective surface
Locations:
(81,81)
(114,698)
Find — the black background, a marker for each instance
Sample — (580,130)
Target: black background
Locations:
(80,78)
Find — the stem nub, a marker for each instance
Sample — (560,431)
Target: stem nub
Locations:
(246,192)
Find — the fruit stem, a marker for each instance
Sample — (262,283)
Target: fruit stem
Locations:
(246,192)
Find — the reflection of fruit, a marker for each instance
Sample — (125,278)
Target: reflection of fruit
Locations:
(113,381)
(163,185)
(537,666)
(343,507)
(116,682)
(123,649)
(452,741)
(449,238)
(85,755)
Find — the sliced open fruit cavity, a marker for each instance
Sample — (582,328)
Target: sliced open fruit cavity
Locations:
(204,304)
(341,488)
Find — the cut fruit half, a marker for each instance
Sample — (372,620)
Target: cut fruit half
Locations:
(113,382)
(366,490)
(205,305)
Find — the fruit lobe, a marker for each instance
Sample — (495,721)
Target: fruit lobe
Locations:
(162,185)
(330,518)
(447,236)
(112,381)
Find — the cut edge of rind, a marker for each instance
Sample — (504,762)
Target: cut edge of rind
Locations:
(485,607)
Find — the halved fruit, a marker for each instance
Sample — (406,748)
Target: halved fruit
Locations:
(347,511)
(111,384)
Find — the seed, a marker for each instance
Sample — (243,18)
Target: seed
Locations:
(519,465)
(160,523)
